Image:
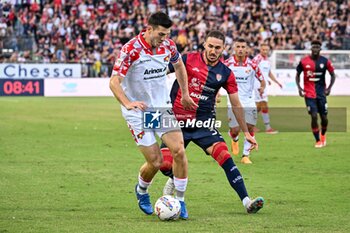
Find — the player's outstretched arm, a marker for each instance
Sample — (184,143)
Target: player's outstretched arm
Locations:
(238,110)
(114,85)
(182,79)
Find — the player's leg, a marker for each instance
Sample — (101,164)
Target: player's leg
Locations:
(323,111)
(150,150)
(258,109)
(247,145)
(313,110)
(266,118)
(233,132)
(251,119)
(175,143)
(147,144)
(219,151)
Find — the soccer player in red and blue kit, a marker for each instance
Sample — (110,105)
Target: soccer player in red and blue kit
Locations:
(206,75)
(314,68)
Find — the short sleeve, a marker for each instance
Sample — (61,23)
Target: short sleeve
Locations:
(125,58)
(231,84)
(300,68)
(330,66)
(174,54)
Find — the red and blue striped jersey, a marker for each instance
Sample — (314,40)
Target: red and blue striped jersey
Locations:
(204,82)
(314,75)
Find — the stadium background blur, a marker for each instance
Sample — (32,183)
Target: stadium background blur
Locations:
(92,32)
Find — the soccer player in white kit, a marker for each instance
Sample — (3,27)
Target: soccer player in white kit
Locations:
(138,82)
(261,100)
(245,71)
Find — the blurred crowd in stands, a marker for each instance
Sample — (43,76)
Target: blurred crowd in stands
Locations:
(93,31)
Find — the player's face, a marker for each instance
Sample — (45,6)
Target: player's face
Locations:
(158,35)
(240,49)
(264,50)
(213,49)
(315,50)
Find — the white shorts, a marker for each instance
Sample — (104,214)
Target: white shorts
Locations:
(142,135)
(250,114)
(259,98)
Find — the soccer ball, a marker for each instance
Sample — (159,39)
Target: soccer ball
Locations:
(167,208)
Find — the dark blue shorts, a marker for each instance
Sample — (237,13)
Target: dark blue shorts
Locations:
(202,137)
(317,105)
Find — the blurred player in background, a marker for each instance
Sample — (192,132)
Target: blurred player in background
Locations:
(138,82)
(314,69)
(206,75)
(245,71)
(261,99)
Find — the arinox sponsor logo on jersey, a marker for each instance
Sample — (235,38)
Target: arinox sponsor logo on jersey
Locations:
(154,71)
(238,79)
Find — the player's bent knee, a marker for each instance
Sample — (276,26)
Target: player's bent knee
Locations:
(178,152)
(220,153)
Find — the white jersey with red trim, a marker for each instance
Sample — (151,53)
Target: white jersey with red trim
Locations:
(246,73)
(264,65)
(144,71)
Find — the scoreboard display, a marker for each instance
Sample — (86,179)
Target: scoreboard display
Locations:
(21,87)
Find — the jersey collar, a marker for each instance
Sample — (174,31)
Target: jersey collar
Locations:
(143,41)
(237,62)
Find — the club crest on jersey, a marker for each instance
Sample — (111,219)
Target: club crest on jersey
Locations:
(321,65)
(167,58)
(140,135)
(218,77)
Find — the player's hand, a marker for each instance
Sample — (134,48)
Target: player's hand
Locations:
(269,82)
(280,85)
(252,141)
(301,92)
(136,105)
(188,102)
(261,91)
(327,91)
(218,98)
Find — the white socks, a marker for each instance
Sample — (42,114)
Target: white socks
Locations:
(266,119)
(143,186)
(246,147)
(180,187)
(246,202)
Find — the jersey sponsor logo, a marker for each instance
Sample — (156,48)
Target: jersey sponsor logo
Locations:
(314,79)
(307,66)
(195,84)
(195,69)
(154,71)
(143,61)
(241,79)
(199,96)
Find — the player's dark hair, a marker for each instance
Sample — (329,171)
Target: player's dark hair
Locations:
(216,34)
(316,42)
(241,40)
(160,19)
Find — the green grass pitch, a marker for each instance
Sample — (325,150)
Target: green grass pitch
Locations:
(70,165)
